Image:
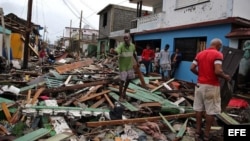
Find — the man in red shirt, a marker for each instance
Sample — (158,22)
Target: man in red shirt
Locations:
(208,66)
(147,57)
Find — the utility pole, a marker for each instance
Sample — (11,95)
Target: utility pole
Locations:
(80,32)
(44,32)
(27,36)
(70,32)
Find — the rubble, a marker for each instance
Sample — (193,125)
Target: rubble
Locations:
(78,101)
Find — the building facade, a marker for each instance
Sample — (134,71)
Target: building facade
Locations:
(114,21)
(190,25)
(73,41)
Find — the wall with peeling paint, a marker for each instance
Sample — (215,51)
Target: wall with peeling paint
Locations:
(207,11)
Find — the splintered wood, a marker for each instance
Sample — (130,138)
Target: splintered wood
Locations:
(72,66)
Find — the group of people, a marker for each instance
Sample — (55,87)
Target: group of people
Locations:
(207,65)
(163,61)
(45,55)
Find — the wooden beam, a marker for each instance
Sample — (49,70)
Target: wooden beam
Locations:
(155,89)
(150,104)
(93,96)
(98,103)
(109,101)
(39,91)
(137,120)
(6,111)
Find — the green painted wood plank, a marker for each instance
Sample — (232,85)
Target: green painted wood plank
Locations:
(133,95)
(229,119)
(182,130)
(57,75)
(53,83)
(31,86)
(125,103)
(5,100)
(59,137)
(167,123)
(136,81)
(33,135)
(136,87)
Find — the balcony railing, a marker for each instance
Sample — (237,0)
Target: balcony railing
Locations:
(149,22)
(86,37)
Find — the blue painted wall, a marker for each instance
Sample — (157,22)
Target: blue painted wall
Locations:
(183,73)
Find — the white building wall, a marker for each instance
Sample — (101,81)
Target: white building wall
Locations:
(213,10)
(241,8)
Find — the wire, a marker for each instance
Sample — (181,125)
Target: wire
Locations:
(43,13)
(70,8)
(24,7)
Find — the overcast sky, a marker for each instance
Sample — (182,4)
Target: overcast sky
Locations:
(57,14)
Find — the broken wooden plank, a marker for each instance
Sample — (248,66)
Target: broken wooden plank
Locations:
(39,91)
(167,123)
(16,116)
(32,136)
(4,129)
(137,120)
(93,96)
(28,97)
(67,80)
(150,104)
(125,103)
(31,86)
(53,83)
(109,101)
(98,103)
(67,67)
(60,136)
(6,111)
(227,119)
(182,130)
(162,85)
(135,96)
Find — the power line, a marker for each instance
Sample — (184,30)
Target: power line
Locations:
(87,6)
(70,9)
(43,13)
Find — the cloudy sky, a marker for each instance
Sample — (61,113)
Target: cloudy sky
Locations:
(57,14)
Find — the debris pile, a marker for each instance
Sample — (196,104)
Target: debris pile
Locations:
(78,101)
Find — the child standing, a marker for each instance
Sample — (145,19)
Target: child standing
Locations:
(42,56)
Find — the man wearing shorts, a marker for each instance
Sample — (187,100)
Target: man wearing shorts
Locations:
(208,66)
(165,62)
(127,59)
